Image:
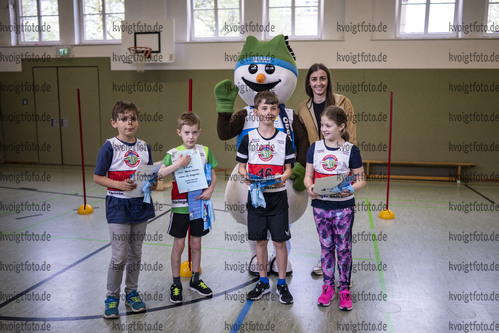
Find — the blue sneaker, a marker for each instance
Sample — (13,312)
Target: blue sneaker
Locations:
(133,300)
(111,311)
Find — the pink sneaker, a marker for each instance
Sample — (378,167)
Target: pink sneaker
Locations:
(345,300)
(326,296)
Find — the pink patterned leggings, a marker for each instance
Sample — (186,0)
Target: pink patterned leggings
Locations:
(335,234)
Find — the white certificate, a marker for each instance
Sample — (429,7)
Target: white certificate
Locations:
(141,176)
(324,185)
(191,177)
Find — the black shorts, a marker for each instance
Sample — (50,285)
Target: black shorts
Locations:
(259,225)
(276,202)
(180,223)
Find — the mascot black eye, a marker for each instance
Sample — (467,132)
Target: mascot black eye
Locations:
(252,68)
(269,69)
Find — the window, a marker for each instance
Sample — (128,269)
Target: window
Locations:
(427,18)
(216,19)
(294,18)
(38,21)
(493,17)
(101,19)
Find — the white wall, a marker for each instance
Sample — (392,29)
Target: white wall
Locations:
(334,49)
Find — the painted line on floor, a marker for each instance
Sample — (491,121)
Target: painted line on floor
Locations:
(128,313)
(381,276)
(369,214)
(43,221)
(25,217)
(47,220)
(62,270)
(242,315)
(31,319)
(52,277)
(42,202)
(480,194)
(81,238)
(70,212)
(402,200)
(73,194)
(244,311)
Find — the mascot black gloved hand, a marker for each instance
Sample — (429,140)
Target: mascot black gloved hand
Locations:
(268,65)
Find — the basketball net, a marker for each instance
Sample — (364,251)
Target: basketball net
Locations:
(140,55)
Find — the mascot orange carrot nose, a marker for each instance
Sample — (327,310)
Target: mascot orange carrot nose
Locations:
(268,65)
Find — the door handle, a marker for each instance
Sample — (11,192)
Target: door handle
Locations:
(64,122)
(54,122)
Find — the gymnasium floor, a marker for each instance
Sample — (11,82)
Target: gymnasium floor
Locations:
(432,269)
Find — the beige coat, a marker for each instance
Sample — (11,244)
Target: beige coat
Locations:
(307,116)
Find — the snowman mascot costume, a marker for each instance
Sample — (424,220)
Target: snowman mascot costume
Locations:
(268,65)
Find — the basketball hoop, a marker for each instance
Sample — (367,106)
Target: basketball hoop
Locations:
(140,54)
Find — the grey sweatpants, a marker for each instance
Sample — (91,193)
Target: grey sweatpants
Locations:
(126,247)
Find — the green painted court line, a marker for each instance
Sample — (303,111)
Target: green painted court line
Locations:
(381,276)
(95,202)
(43,221)
(378,261)
(409,200)
(369,214)
(43,201)
(425,207)
(412,206)
(51,218)
(389,322)
(145,243)
(37,202)
(222,249)
(170,245)
(81,238)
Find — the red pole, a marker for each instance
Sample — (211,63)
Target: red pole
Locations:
(190,95)
(389,149)
(81,149)
(189,237)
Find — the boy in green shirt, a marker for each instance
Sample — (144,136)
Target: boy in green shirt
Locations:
(189,129)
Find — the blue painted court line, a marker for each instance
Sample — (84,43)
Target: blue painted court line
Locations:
(65,269)
(53,276)
(160,308)
(240,318)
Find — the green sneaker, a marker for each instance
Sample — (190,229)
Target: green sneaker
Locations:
(111,311)
(133,300)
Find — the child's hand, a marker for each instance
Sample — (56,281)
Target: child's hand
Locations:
(246,179)
(347,191)
(206,195)
(161,172)
(281,183)
(183,160)
(153,186)
(127,185)
(310,191)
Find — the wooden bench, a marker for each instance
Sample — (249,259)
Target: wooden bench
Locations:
(458,166)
